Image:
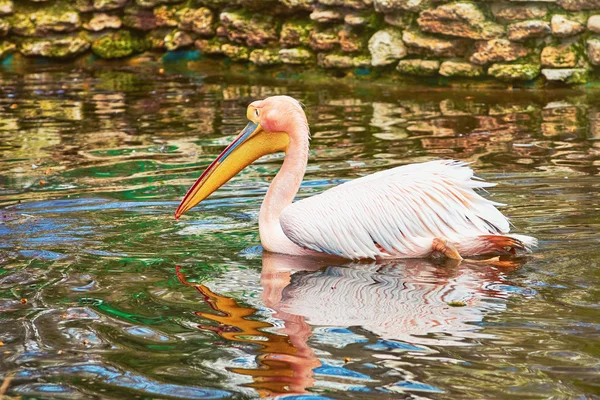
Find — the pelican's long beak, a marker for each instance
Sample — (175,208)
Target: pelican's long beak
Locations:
(251,144)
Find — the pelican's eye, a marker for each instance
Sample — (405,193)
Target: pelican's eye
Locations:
(257,112)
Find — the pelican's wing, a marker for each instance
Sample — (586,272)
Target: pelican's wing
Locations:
(395,212)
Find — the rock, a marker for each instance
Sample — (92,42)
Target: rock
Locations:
(497,50)
(42,23)
(177,39)
(298,4)
(101,21)
(326,16)
(528,29)
(156,40)
(419,43)
(357,18)
(563,27)
(235,52)
(46,22)
(324,40)
(197,20)
(212,46)
(514,72)
(593,23)
(386,46)
(140,18)
(356,4)
(105,5)
(55,48)
(295,33)
(295,56)
(579,5)
(399,20)
(385,6)
(154,3)
(567,75)
(273,6)
(84,5)
(265,57)
(255,30)
(6,48)
(460,68)
(459,19)
(6,7)
(506,12)
(342,61)
(593,50)
(22,25)
(419,67)
(563,56)
(166,17)
(4,27)
(350,42)
(119,44)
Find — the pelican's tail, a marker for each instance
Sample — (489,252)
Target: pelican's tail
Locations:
(496,244)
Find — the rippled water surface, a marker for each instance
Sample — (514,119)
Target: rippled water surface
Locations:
(103,294)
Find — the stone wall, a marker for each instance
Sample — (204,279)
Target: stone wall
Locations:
(544,40)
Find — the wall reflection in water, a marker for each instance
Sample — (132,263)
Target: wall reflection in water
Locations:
(415,303)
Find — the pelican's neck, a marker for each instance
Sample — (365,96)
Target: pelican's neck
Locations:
(281,194)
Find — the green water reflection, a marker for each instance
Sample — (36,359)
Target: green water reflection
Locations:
(103,293)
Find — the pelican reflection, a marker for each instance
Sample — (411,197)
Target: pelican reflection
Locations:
(412,301)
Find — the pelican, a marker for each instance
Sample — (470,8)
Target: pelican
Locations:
(411,211)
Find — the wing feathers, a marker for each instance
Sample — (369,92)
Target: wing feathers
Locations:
(395,212)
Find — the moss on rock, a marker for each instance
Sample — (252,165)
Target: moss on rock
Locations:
(4,27)
(166,16)
(514,72)
(199,20)
(154,3)
(119,44)
(563,56)
(55,48)
(178,39)
(6,7)
(296,56)
(6,48)
(209,46)
(296,32)
(255,30)
(101,21)
(460,68)
(265,57)
(21,24)
(441,36)
(418,67)
(325,40)
(342,61)
(235,52)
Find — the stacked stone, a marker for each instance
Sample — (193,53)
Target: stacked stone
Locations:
(509,40)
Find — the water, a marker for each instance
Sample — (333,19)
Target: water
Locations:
(103,294)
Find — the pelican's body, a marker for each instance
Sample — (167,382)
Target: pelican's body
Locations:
(405,212)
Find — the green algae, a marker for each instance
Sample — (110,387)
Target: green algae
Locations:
(119,44)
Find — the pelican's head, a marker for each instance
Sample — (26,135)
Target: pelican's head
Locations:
(273,125)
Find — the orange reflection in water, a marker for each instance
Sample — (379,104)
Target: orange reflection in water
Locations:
(286,361)
(407,300)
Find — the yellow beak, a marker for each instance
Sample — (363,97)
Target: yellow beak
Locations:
(251,144)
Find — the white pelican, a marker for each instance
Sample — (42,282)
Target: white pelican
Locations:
(411,211)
